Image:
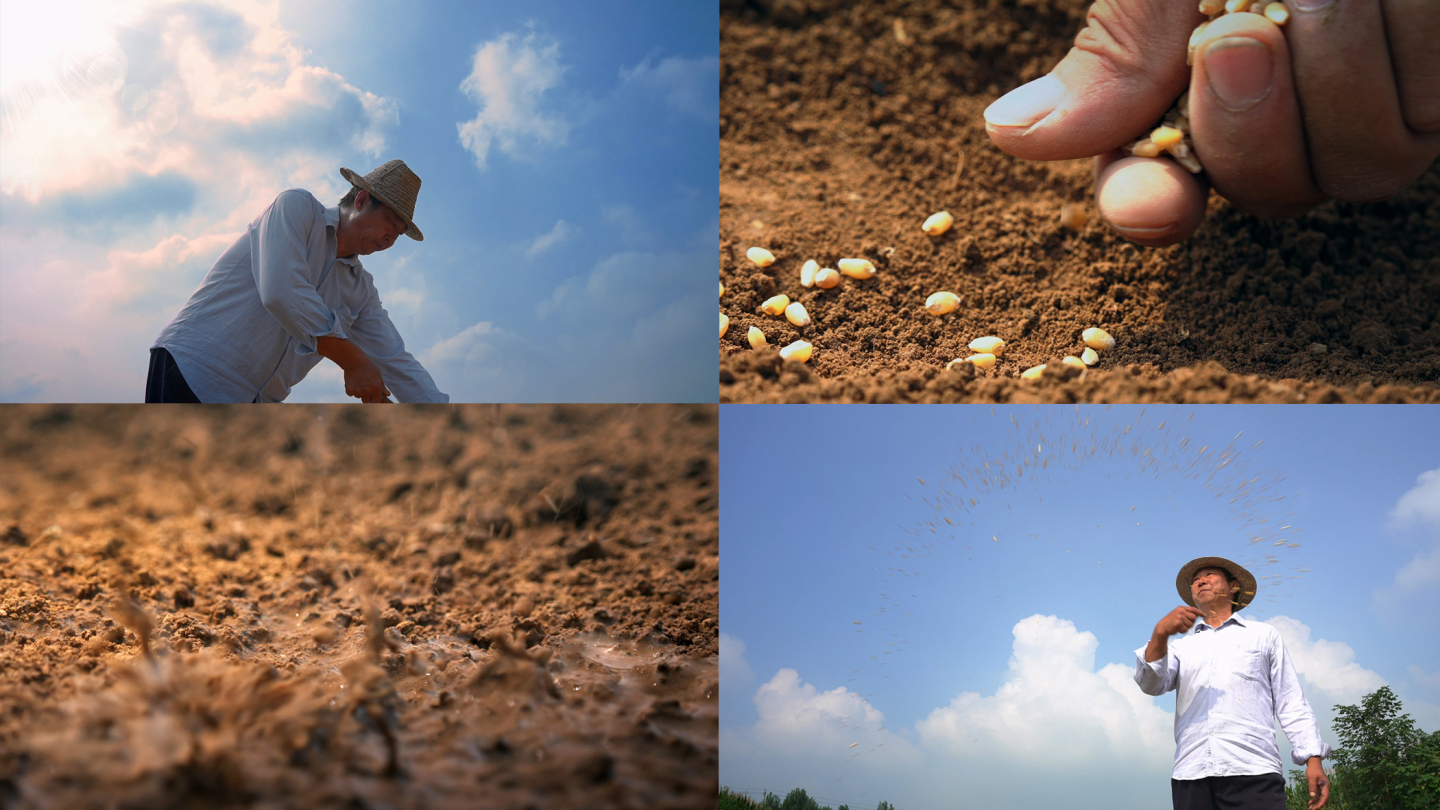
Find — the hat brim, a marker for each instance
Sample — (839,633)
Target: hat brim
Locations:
(1244,577)
(360,182)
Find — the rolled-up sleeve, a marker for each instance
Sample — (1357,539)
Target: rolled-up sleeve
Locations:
(280,243)
(1292,709)
(1156,677)
(377,336)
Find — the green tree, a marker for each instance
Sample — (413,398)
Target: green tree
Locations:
(735,801)
(884,806)
(1383,763)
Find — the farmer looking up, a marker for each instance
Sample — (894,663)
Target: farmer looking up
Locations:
(1232,678)
(1345,103)
(290,291)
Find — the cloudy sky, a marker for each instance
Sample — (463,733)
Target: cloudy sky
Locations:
(884,637)
(567,150)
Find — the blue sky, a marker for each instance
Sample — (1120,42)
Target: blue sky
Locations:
(567,151)
(998,656)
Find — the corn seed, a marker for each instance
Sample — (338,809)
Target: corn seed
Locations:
(982,360)
(722,288)
(760,256)
(1166,138)
(988,345)
(1189,163)
(1211,7)
(941,303)
(827,278)
(1277,13)
(1145,148)
(1072,216)
(1033,373)
(1097,339)
(724,323)
(1234,6)
(796,314)
(756,338)
(1089,357)
(857,268)
(1071,360)
(776,305)
(798,351)
(938,224)
(807,273)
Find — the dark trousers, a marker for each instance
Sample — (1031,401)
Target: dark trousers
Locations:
(165,383)
(1263,792)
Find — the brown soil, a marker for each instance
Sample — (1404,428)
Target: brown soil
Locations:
(838,140)
(335,606)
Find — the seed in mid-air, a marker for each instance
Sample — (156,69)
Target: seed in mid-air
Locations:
(760,256)
(1072,216)
(941,303)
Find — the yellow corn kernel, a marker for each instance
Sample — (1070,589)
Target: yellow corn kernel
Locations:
(982,360)
(1235,6)
(1211,7)
(827,278)
(1072,216)
(1033,373)
(776,305)
(760,256)
(722,288)
(857,268)
(1166,137)
(937,224)
(1145,148)
(724,323)
(1097,339)
(807,273)
(1071,360)
(1089,357)
(795,313)
(756,338)
(988,345)
(941,303)
(799,351)
(1277,13)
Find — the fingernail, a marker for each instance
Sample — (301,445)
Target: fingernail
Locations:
(1239,71)
(1026,104)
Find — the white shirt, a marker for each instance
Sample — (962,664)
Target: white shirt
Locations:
(249,333)
(1231,684)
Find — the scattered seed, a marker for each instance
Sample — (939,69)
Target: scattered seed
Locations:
(1145,148)
(1032,373)
(857,268)
(1089,357)
(722,288)
(941,303)
(1277,13)
(807,273)
(988,345)
(1235,6)
(1211,7)
(981,360)
(937,224)
(1072,360)
(776,305)
(826,278)
(796,314)
(1097,339)
(1072,216)
(1166,138)
(760,256)
(799,351)
(724,323)
(756,338)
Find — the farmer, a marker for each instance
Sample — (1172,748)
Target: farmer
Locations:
(1233,679)
(290,291)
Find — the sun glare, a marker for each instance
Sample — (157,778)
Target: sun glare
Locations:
(60,45)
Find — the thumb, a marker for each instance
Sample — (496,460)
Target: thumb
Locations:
(1127,67)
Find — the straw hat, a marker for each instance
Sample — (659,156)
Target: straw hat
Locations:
(396,186)
(1245,578)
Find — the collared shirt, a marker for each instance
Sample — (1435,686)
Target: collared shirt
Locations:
(249,333)
(1231,683)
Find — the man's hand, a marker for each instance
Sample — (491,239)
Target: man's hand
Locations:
(1319,783)
(1177,621)
(1343,103)
(362,376)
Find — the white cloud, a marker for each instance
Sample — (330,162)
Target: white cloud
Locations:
(1421,502)
(485,363)
(690,86)
(1430,680)
(798,717)
(508,76)
(1053,692)
(562,231)
(734,669)
(1326,666)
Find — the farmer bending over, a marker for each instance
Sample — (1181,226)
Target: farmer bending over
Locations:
(290,291)
(1232,678)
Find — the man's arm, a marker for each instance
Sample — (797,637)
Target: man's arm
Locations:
(279,245)
(1155,668)
(1297,719)
(374,330)
(362,377)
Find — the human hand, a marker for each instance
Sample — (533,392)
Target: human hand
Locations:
(364,382)
(1350,110)
(1319,783)
(1179,620)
